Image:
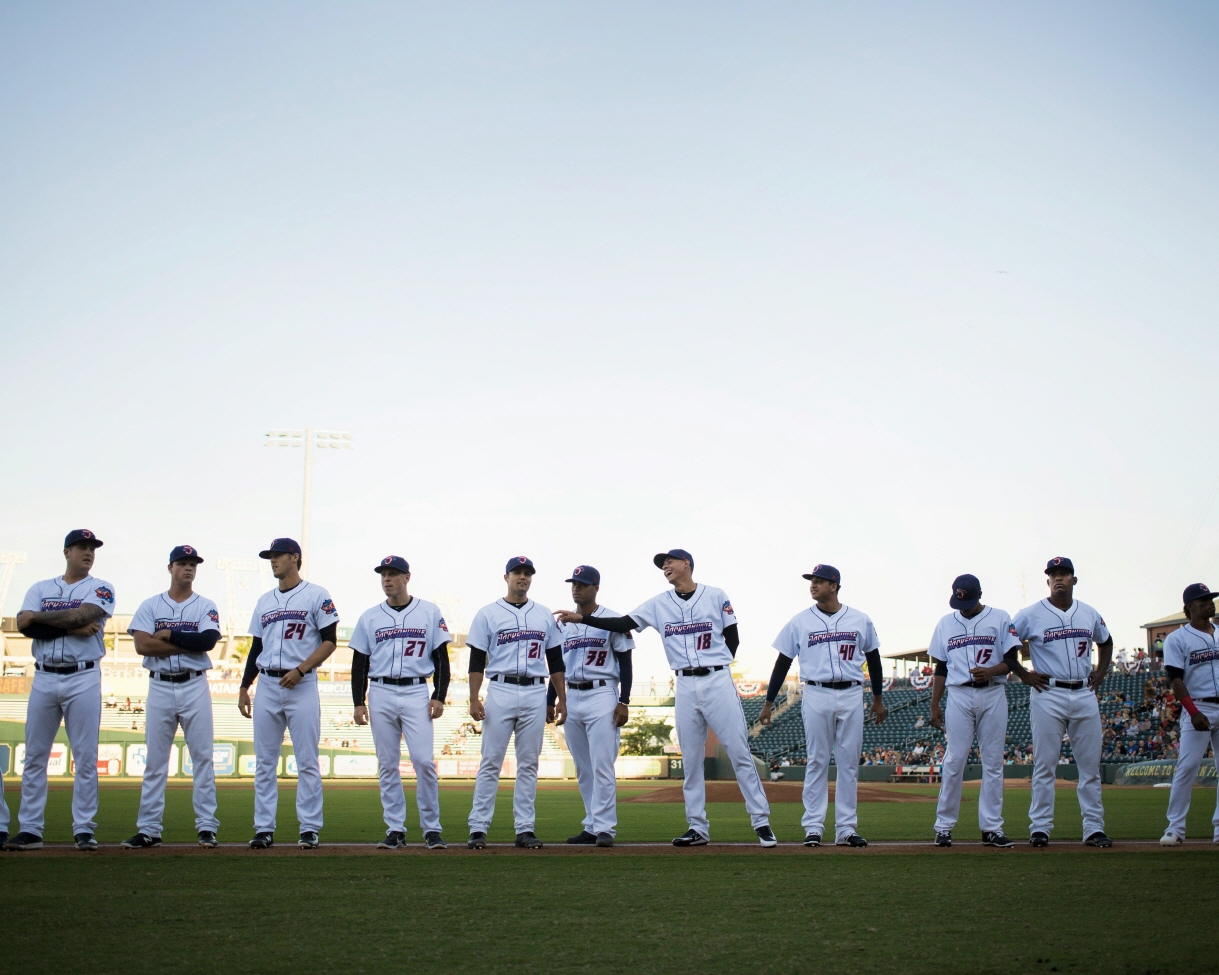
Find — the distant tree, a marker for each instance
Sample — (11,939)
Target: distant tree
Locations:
(645,738)
(241,648)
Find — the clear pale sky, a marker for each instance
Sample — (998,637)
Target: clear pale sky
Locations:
(912,289)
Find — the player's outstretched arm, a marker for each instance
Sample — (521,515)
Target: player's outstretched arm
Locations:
(615,624)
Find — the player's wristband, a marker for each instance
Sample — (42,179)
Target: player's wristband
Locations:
(1187,702)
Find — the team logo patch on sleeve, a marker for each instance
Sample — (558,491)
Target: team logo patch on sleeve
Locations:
(328,608)
(728,608)
(104,593)
(443,625)
(1012,630)
(213,616)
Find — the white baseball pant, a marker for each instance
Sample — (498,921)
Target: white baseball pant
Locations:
(510,709)
(1052,713)
(4,813)
(832,719)
(396,713)
(76,699)
(713,702)
(593,740)
(188,704)
(970,711)
(298,709)
(1190,753)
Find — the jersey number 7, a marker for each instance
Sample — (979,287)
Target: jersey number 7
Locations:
(1084,647)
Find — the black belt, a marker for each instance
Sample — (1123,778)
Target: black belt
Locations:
(179,678)
(976,683)
(69,669)
(1069,685)
(1209,700)
(585,685)
(834,685)
(519,681)
(700,671)
(399,681)
(280,673)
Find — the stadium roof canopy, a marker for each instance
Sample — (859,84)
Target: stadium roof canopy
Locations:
(1177,619)
(908,655)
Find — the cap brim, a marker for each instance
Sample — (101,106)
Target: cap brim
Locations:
(188,558)
(583,582)
(267,553)
(390,568)
(963,603)
(810,577)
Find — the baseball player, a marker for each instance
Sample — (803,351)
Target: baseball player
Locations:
(1191,659)
(65,617)
(1059,632)
(515,642)
(398,645)
(832,642)
(175,631)
(598,673)
(4,814)
(699,630)
(973,649)
(295,628)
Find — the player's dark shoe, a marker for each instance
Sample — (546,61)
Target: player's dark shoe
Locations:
(434,840)
(207,839)
(1039,840)
(943,838)
(85,841)
(262,841)
(691,837)
(813,839)
(766,836)
(308,840)
(853,840)
(527,841)
(584,838)
(996,838)
(1099,839)
(394,840)
(3,839)
(141,841)
(605,840)
(24,841)
(477,841)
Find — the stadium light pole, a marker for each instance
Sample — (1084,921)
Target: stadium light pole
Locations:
(309,439)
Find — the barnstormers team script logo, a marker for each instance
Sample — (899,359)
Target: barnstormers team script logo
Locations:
(104,593)
(328,608)
(213,616)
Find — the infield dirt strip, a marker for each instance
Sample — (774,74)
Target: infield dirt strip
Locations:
(780,792)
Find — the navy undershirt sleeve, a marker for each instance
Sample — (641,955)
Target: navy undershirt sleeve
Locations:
(440,659)
(626,675)
(251,662)
(43,631)
(195,642)
(777,676)
(554,660)
(941,668)
(875,672)
(732,638)
(615,624)
(359,677)
(1173,673)
(478,660)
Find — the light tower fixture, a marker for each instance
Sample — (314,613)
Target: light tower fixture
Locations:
(309,439)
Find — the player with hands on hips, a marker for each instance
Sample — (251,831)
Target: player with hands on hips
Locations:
(175,631)
(699,630)
(599,676)
(295,628)
(398,645)
(1191,661)
(516,643)
(832,642)
(1058,634)
(974,648)
(65,618)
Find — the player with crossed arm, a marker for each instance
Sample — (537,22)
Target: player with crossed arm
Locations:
(65,617)
(1058,632)
(174,631)
(699,631)
(516,643)
(398,645)
(973,648)
(295,628)
(1191,660)
(599,676)
(832,641)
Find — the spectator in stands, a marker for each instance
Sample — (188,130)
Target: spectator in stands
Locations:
(919,722)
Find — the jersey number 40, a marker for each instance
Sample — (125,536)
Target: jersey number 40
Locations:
(846,651)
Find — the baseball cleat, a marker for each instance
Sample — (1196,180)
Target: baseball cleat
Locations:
(605,840)
(434,840)
(853,840)
(766,836)
(477,841)
(262,841)
(394,840)
(813,839)
(1039,840)
(527,841)
(943,838)
(584,838)
(141,841)
(85,841)
(1171,839)
(996,838)
(24,841)
(1099,839)
(207,839)
(690,837)
(308,840)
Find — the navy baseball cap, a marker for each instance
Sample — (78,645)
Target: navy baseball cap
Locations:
(183,552)
(658,560)
(286,545)
(966,592)
(79,536)
(826,572)
(393,562)
(585,574)
(520,562)
(1059,564)
(1197,591)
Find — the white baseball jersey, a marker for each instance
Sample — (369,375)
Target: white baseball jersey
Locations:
(1196,653)
(830,648)
(968,643)
(53,595)
(692,629)
(290,624)
(515,638)
(1061,641)
(588,653)
(399,643)
(196,615)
